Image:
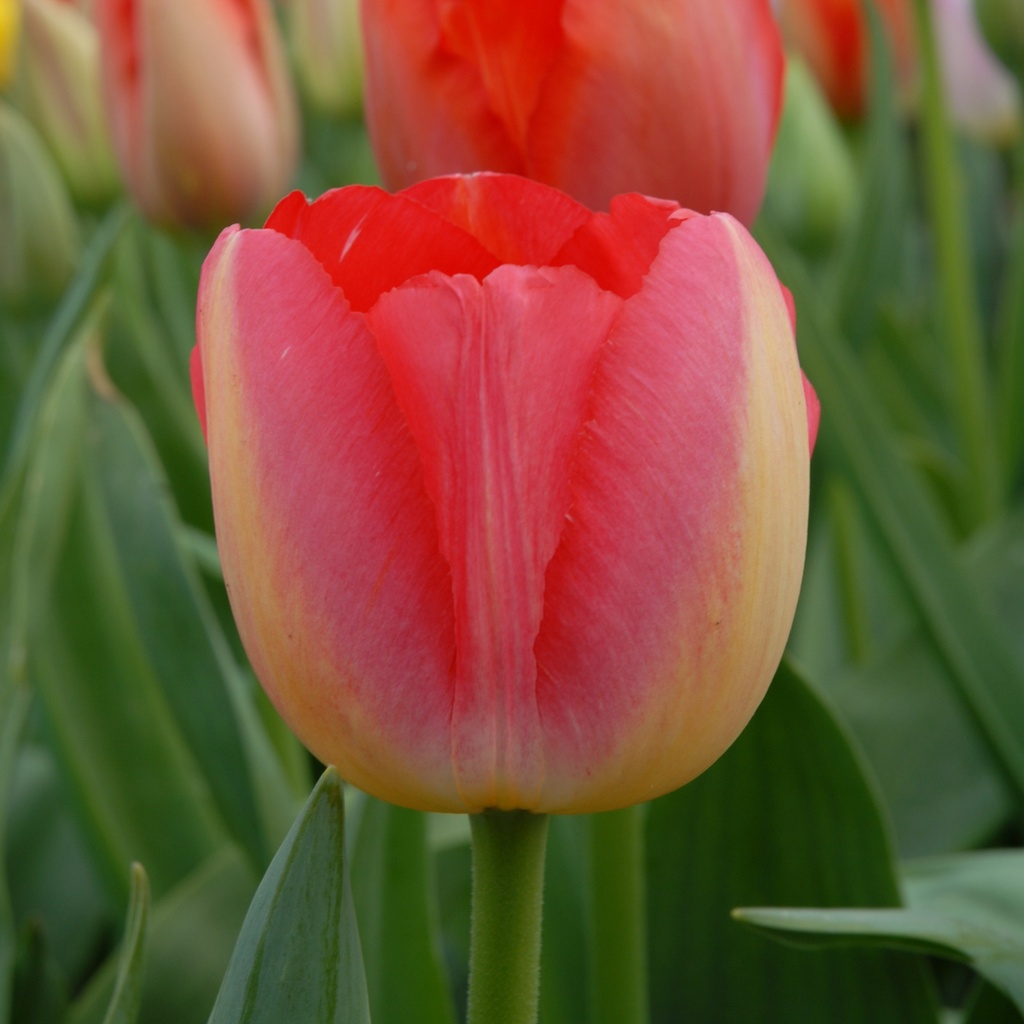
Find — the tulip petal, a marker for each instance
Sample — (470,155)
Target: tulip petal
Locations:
(326,534)
(426,111)
(714,104)
(516,219)
(670,597)
(493,379)
(512,44)
(617,248)
(370,241)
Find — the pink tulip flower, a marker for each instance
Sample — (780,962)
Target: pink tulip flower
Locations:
(676,98)
(511,497)
(200,106)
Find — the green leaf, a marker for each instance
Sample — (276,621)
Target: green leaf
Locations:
(785,816)
(298,957)
(395,901)
(137,790)
(13,712)
(73,306)
(192,932)
(968,907)
(52,880)
(962,626)
(940,784)
(190,657)
(124,1005)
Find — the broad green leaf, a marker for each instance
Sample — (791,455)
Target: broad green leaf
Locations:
(192,932)
(124,1005)
(939,781)
(962,625)
(395,898)
(785,816)
(51,877)
(13,711)
(968,907)
(137,790)
(73,306)
(197,673)
(298,957)
(990,1006)
(39,993)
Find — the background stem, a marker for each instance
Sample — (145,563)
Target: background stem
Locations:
(972,403)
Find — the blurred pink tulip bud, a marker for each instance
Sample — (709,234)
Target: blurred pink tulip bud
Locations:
(200,106)
(511,497)
(59,90)
(676,98)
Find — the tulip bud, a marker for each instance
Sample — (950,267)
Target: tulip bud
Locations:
(675,98)
(39,243)
(812,183)
(511,497)
(59,90)
(200,106)
(328,53)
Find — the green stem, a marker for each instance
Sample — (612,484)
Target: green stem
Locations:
(973,408)
(508,891)
(619,919)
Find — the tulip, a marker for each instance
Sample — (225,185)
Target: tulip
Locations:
(676,98)
(510,497)
(200,106)
(60,92)
(833,38)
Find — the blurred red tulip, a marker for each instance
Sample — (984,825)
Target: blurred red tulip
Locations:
(511,497)
(676,98)
(200,106)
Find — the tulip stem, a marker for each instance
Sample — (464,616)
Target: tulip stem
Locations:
(959,311)
(508,890)
(618,917)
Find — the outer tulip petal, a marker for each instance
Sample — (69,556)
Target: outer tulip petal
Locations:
(494,381)
(426,111)
(518,220)
(370,241)
(714,104)
(327,537)
(670,597)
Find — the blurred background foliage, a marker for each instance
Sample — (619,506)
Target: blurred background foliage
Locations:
(876,800)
